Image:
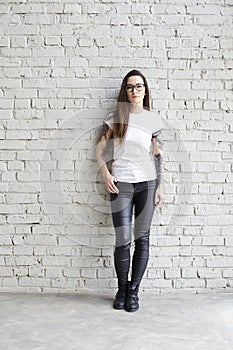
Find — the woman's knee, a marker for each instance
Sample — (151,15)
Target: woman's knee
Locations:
(143,240)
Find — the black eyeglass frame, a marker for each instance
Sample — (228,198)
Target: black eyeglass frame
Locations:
(134,86)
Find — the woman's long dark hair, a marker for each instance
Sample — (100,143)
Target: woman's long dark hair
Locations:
(121,115)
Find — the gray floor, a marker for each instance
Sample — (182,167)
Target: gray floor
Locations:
(87,321)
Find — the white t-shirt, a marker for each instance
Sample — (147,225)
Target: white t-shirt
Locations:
(133,159)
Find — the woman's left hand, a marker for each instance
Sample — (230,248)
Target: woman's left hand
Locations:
(159,195)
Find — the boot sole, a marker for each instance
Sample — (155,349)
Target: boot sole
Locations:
(118,307)
(131,310)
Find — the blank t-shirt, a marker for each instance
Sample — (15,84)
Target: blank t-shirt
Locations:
(133,158)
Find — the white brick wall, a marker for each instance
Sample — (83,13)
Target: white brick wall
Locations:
(61,68)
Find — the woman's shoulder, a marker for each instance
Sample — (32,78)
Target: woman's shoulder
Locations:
(154,119)
(109,119)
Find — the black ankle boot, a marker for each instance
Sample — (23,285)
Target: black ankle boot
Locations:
(132,299)
(120,298)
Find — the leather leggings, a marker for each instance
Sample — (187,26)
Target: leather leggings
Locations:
(140,197)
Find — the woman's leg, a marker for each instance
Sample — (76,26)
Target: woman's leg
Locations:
(140,259)
(122,210)
(144,209)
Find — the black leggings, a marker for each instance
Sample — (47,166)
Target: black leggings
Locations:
(140,197)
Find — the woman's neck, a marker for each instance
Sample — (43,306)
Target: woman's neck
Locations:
(136,109)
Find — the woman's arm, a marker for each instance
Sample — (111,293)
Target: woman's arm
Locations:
(158,155)
(100,149)
(158,160)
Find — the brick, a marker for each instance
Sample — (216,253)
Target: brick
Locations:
(104,273)
(72,8)
(21,198)
(219,261)
(209,273)
(189,283)
(54,272)
(21,271)
(6,272)
(56,261)
(33,282)
(64,283)
(159,283)
(89,273)
(189,273)
(36,272)
(227,273)
(216,283)
(11,282)
(152,273)
(22,250)
(172,273)
(69,272)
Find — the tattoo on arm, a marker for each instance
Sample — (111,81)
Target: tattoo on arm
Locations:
(103,148)
(158,158)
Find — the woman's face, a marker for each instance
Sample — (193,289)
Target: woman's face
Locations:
(134,95)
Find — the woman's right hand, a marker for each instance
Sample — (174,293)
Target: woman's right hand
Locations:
(109,181)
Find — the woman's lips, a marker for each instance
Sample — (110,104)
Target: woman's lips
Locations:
(134,96)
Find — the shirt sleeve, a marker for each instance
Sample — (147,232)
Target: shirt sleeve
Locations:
(107,124)
(104,130)
(157,129)
(157,135)
(157,125)
(109,120)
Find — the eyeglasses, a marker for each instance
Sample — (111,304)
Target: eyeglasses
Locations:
(139,87)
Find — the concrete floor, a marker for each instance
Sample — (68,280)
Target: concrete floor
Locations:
(88,321)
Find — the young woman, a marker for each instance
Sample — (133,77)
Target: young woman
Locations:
(134,181)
